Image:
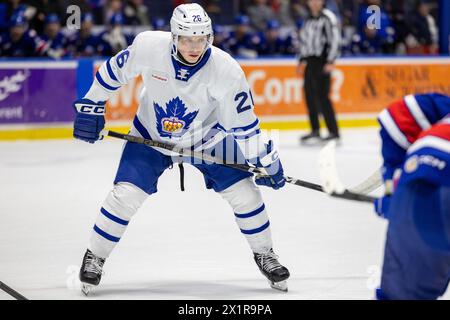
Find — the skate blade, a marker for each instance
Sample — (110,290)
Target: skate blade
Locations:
(312,142)
(281,286)
(86,288)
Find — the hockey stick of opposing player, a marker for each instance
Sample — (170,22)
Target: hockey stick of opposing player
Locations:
(11,292)
(329,175)
(199,155)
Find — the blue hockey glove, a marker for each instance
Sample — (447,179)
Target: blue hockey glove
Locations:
(272,165)
(382,206)
(89,121)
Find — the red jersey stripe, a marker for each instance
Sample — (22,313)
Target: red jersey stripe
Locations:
(440,130)
(404,120)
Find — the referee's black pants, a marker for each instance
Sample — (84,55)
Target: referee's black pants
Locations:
(317,89)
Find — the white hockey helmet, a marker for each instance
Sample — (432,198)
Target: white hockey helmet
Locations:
(190,20)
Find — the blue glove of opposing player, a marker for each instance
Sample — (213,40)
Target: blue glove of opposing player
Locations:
(272,165)
(382,206)
(89,121)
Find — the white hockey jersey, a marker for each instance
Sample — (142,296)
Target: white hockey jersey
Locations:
(187,106)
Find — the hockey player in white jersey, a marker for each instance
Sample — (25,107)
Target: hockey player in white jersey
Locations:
(194,95)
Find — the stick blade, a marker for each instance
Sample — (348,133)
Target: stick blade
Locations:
(327,169)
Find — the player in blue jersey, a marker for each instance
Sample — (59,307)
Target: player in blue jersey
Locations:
(415,133)
(272,43)
(242,41)
(20,41)
(114,39)
(194,96)
(55,42)
(84,43)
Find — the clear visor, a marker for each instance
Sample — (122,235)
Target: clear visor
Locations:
(193,42)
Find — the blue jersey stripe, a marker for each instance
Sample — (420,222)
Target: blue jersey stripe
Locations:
(110,71)
(103,83)
(250,126)
(105,235)
(257,230)
(250,214)
(247,136)
(140,127)
(113,217)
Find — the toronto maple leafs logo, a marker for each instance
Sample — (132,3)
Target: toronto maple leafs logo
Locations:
(173,122)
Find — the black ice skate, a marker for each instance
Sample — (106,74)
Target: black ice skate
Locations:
(272,269)
(332,137)
(311,138)
(91,271)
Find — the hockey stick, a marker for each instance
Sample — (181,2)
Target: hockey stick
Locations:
(199,155)
(12,292)
(330,178)
(369,184)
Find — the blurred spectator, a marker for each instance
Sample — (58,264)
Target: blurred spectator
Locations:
(259,13)
(242,41)
(96,7)
(407,26)
(160,24)
(349,12)
(333,6)
(220,37)
(41,9)
(19,41)
(211,5)
(136,13)
(113,8)
(373,39)
(214,10)
(8,9)
(423,37)
(55,42)
(272,43)
(282,12)
(397,13)
(299,11)
(84,43)
(114,39)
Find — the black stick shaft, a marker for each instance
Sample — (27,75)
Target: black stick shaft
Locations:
(348,195)
(11,292)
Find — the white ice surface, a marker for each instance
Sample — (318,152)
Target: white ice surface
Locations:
(184,245)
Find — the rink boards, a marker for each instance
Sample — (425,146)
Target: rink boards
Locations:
(36,95)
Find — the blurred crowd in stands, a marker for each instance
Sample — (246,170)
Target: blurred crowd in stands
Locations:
(246,28)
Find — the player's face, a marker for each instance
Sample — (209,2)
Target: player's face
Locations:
(191,48)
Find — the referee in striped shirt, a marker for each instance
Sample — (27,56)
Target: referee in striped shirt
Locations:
(319,47)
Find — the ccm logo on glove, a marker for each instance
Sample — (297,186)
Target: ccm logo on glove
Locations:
(90,109)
